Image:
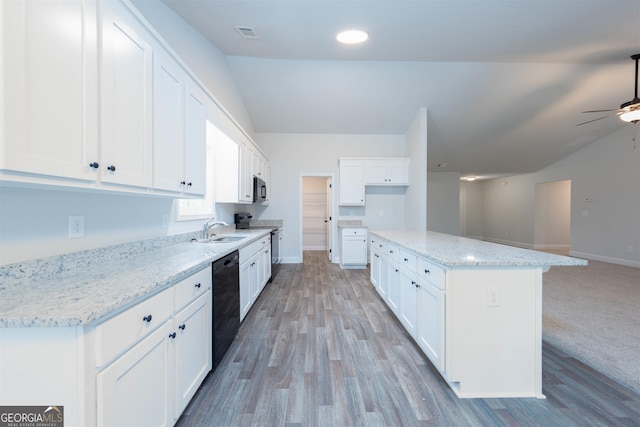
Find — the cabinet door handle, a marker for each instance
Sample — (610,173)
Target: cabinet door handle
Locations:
(197,285)
(427,271)
(172,335)
(94,165)
(112,168)
(397,270)
(406,260)
(183,182)
(147,318)
(189,184)
(181,327)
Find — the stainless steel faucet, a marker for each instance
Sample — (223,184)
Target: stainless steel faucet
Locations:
(209,224)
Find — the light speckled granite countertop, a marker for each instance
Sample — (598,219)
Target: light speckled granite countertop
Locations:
(350,223)
(85,287)
(455,251)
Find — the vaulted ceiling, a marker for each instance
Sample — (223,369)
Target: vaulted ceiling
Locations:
(504,81)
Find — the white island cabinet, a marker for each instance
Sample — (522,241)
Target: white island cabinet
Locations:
(474,308)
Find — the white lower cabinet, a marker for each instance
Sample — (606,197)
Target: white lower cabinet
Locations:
(132,391)
(151,383)
(192,350)
(353,247)
(414,289)
(138,368)
(255,271)
(430,331)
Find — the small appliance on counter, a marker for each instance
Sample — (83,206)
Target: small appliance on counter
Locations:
(243,222)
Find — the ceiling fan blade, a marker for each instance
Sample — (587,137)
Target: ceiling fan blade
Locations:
(594,120)
(601,111)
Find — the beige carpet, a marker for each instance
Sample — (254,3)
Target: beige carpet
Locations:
(593,314)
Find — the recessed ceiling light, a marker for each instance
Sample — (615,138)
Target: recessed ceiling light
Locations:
(352,36)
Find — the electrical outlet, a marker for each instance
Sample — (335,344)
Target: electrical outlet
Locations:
(381,213)
(76,226)
(493,299)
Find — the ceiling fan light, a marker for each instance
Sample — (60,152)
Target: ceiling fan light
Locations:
(631,116)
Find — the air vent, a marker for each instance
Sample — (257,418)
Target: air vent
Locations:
(247,32)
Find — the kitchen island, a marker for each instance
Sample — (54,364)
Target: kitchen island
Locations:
(473,307)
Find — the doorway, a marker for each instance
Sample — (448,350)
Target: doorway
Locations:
(552,218)
(317,213)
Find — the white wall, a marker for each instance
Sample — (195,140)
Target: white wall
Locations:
(471,209)
(416,195)
(292,155)
(552,217)
(605,228)
(443,202)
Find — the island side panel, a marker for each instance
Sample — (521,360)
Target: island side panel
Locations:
(494,322)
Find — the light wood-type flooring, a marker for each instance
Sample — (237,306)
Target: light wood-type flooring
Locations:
(320,348)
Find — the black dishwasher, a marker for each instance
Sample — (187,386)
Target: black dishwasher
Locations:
(226,304)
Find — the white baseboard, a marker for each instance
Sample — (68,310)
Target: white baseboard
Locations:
(610,260)
(510,243)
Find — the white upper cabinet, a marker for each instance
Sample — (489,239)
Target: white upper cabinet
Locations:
(351,183)
(50,80)
(126,98)
(195,140)
(179,134)
(356,173)
(387,172)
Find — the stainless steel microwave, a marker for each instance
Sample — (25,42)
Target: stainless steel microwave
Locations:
(259,190)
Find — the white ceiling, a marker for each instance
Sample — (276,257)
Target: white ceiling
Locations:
(504,81)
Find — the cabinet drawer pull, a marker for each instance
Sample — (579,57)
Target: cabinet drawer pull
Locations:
(147,318)
(181,327)
(189,184)
(427,271)
(198,285)
(183,182)
(406,260)
(94,165)
(112,168)
(172,335)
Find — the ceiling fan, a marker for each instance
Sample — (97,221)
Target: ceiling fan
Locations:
(629,111)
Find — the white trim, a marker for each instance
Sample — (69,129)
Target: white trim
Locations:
(333,214)
(611,260)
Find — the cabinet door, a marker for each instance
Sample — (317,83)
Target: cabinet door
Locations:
(265,264)
(351,184)
(245,288)
(126,98)
(375,172)
(394,294)
(430,333)
(50,88)
(195,140)
(168,89)
(354,248)
(409,302)
(245,174)
(383,285)
(132,391)
(192,346)
(375,268)
(398,171)
(255,277)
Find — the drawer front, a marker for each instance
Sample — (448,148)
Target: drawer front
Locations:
(191,288)
(127,328)
(250,250)
(408,260)
(379,245)
(354,232)
(432,273)
(392,251)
